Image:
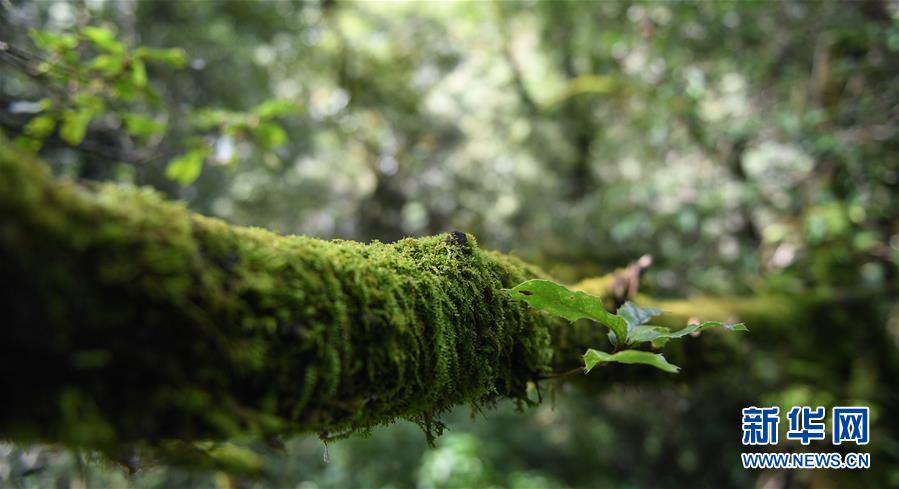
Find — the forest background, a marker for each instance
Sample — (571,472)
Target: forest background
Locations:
(751,148)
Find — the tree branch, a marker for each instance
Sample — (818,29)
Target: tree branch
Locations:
(128,318)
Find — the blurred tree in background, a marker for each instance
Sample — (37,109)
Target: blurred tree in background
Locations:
(749,147)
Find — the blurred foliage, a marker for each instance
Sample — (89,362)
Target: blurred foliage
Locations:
(90,75)
(750,147)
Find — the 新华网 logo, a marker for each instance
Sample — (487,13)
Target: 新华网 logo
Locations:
(848,424)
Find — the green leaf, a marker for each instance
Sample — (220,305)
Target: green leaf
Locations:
(41,126)
(139,73)
(74,126)
(109,64)
(270,135)
(88,102)
(142,126)
(104,39)
(718,324)
(555,299)
(275,108)
(53,41)
(186,168)
(657,360)
(175,57)
(125,90)
(642,334)
(635,315)
(660,335)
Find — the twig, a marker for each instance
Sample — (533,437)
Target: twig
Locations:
(566,373)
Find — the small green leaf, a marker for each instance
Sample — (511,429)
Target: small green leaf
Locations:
(109,64)
(125,89)
(270,135)
(636,315)
(275,108)
(642,334)
(88,102)
(138,73)
(657,360)
(555,299)
(104,39)
(186,168)
(74,126)
(728,326)
(41,126)
(53,41)
(175,57)
(660,335)
(142,126)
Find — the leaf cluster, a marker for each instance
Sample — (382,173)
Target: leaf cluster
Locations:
(628,327)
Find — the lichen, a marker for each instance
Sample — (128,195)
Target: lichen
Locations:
(130,319)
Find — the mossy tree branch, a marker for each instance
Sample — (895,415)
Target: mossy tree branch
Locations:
(128,318)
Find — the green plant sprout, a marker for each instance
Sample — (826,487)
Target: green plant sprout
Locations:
(628,327)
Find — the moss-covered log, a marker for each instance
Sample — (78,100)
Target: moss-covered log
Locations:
(127,318)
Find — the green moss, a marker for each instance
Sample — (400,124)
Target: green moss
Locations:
(162,324)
